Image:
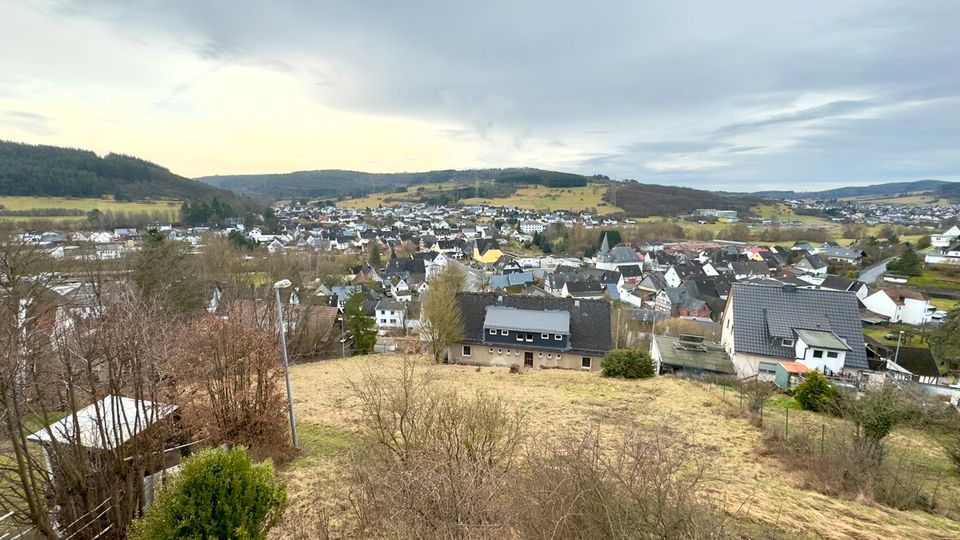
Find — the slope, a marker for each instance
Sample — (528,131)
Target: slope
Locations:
(933,187)
(50,171)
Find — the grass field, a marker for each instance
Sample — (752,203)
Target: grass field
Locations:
(375,200)
(528,197)
(171,208)
(752,486)
(918,199)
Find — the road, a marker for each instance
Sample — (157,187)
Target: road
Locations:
(873,273)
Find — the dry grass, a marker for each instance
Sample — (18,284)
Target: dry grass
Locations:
(756,487)
(574,199)
(170,208)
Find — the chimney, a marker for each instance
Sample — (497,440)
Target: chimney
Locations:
(576,303)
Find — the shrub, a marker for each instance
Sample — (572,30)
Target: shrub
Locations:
(815,392)
(628,363)
(219,494)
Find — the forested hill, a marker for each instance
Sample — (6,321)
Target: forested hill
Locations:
(646,200)
(334,183)
(892,189)
(50,171)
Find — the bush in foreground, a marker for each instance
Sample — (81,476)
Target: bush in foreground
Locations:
(815,392)
(628,363)
(218,494)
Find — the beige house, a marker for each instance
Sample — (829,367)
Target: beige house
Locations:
(534,332)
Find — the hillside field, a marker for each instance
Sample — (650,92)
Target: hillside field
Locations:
(171,208)
(575,199)
(761,495)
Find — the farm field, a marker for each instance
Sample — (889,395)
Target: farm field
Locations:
(754,488)
(575,199)
(171,208)
(375,200)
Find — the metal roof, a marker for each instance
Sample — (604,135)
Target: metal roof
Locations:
(702,356)
(527,320)
(822,339)
(105,424)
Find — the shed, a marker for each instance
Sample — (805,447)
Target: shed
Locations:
(789,374)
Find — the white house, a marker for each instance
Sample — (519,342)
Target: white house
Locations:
(900,305)
(532,227)
(763,325)
(946,247)
(390,314)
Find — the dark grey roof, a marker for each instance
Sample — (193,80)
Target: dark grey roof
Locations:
(762,313)
(589,319)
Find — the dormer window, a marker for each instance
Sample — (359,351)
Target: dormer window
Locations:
(493,331)
(786,342)
(557,337)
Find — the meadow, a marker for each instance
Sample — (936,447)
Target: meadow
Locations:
(28,204)
(764,498)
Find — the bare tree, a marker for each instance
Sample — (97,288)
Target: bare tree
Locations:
(442,323)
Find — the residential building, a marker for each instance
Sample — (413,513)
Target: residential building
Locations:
(535,332)
(819,328)
(899,305)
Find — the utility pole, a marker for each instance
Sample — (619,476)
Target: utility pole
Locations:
(282,284)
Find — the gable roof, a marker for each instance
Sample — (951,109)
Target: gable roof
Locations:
(763,312)
(589,319)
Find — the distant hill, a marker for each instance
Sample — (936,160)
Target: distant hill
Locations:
(646,200)
(334,183)
(50,171)
(950,190)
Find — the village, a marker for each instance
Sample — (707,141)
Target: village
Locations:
(346,282)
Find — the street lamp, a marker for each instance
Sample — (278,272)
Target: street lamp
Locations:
(896,355)
(283,284)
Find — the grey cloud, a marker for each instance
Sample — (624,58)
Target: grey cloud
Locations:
(31,122)
(821,112)
(683,78)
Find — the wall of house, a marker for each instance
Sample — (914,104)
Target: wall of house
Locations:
(505,356)
(748,365)
(881,304)
(914,311)
(537,339)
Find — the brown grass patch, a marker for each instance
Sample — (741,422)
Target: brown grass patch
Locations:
(755,487)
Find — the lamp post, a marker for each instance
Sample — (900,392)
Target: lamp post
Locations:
(896,355)
(283,284)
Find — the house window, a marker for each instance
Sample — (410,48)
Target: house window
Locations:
(557,337)
(832,354)
(585,363)
(519,337)
(529,337)
(499,351)
(787,342)
(818,354)
(540,355)
(544,336)
(549,355)
(491,350)
(383,321)
(493,331)
(767,367)
(466,350)
(504,332)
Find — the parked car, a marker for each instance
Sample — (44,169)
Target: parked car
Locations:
(939,315)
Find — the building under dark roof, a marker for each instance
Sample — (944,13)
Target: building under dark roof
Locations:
(589,320)
(764,314)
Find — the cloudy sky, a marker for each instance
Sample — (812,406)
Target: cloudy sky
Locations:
(722,95)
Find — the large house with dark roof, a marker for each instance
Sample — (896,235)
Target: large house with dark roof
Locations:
(531,331)
(819,328)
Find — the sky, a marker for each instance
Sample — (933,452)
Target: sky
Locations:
(724,95)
